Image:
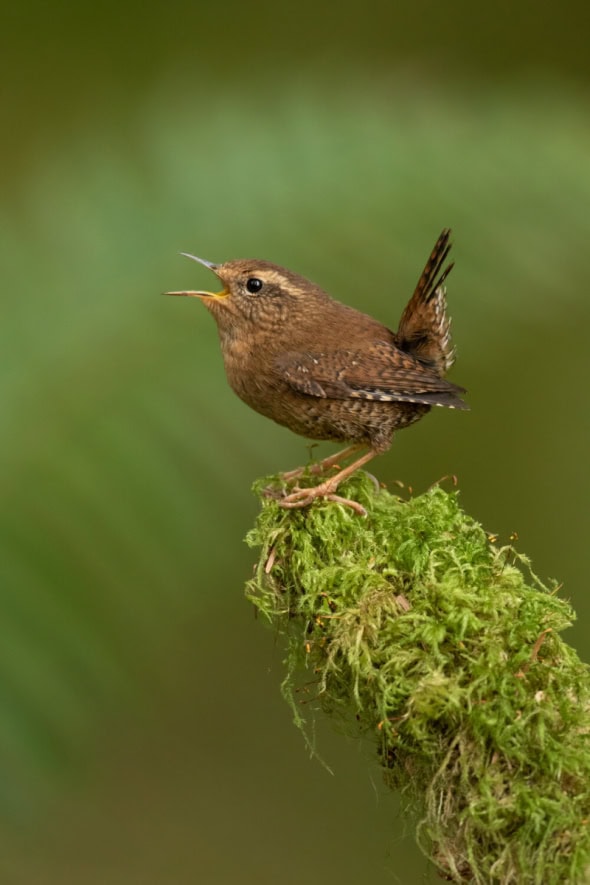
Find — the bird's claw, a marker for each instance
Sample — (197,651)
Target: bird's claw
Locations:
(304,497)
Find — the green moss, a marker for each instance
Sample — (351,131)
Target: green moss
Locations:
(413,627)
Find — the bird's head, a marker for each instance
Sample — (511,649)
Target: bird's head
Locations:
(257,292)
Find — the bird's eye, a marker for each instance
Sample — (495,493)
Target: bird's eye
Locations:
(254,285)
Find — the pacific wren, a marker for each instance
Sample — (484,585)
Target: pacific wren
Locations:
(326,370)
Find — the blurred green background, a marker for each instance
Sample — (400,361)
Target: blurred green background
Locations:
(142,735)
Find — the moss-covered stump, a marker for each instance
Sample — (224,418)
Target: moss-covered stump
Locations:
(421,632)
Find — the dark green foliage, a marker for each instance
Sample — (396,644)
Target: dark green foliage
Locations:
(418,630)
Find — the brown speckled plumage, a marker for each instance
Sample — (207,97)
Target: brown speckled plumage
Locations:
(326,370)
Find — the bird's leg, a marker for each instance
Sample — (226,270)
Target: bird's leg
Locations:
(324,464)
(327,489)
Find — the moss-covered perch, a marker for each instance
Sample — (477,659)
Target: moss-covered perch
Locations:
(446,649)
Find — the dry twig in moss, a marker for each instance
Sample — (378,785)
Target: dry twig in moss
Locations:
(445,648)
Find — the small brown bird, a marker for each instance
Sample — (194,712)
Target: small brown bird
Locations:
(327,371)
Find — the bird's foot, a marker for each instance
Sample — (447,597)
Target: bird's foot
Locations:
(321,466)
(326,490)
(299,497)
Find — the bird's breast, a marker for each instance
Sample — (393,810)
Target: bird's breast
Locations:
(251,373)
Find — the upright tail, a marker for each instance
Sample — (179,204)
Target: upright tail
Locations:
(425,329)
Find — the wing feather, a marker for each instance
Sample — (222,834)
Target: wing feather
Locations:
(385,374)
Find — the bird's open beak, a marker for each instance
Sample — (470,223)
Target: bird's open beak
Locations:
(223,294)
